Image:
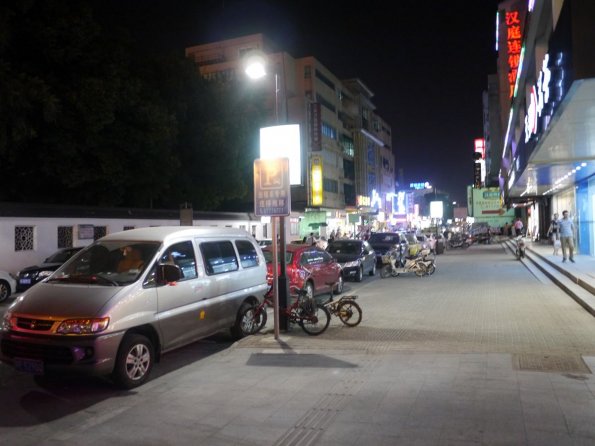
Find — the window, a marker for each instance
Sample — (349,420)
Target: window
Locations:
(348,169)
(99,231)
(65,236)
(329,185)
(23,238)
(181,255)
(325,80)
(347,145)
(307,72)
(247,252)
(128,228)
(329,131)
(323,101)
(312,258)
(349,192)
(219,257)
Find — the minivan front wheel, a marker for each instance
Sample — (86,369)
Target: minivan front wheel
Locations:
(134,361)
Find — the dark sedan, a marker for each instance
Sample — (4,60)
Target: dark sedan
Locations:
(29,276)
(382,242)
(356,257)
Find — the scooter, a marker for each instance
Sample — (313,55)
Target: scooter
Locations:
(520,247)
(395,265)
(459,241)
(428,260)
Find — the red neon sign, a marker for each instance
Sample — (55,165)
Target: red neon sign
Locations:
(513,44)
(480,147)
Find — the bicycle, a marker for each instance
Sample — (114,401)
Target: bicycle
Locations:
(346,309)
(313,318)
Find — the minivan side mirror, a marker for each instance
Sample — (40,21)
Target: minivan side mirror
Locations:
(167,273)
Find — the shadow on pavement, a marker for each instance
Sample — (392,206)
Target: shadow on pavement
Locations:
(297,360)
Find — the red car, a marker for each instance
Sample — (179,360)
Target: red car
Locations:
(309,268)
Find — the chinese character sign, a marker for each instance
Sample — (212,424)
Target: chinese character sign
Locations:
(272,192)
(514,38)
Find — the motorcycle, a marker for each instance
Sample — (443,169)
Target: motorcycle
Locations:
(459,241)
(428,260)
(520,247)
(395,265)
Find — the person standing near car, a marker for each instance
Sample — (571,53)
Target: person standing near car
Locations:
(554,232)
(567,236)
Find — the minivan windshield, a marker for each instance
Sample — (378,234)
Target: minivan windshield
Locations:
(109,263)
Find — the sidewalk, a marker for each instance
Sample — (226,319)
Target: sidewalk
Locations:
(581,273)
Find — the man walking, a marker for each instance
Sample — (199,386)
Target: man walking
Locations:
(566,228)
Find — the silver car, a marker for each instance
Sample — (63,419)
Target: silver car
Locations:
(119,304)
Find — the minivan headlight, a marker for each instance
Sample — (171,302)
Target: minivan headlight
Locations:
(83,326)
(6,321)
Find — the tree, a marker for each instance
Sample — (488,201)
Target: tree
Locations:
(88,118)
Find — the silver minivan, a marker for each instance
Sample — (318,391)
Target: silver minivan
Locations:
(123,301)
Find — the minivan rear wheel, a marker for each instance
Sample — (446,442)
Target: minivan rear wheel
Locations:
(134,362)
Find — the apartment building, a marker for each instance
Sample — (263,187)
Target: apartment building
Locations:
(341,135)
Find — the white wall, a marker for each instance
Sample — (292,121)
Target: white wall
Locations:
(45,238)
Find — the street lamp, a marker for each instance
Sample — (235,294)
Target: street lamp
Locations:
(255,64)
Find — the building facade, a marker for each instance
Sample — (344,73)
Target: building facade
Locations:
(345,145)
(546,73)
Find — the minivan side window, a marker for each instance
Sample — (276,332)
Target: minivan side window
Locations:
(247,252)
(182,255)
(219,257)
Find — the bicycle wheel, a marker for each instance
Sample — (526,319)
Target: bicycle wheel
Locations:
(350,313)
(316,322)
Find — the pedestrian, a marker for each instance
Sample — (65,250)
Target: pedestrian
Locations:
(553,233)
(332,236)
(566,236)
(311,240)
(518,226)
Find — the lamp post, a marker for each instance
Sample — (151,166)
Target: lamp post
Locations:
(255,68)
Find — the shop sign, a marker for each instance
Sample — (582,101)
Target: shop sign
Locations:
(272,190)
(539,98)
(514,37)
(363,200)
(316,180)
(315,127)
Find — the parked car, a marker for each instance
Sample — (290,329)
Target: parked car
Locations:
(8,285)
(382,242)
(307,268)
(265,242)
(29,276)
(131,296)
(356,257)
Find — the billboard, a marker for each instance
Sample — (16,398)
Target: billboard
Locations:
(487,206)
(283,141)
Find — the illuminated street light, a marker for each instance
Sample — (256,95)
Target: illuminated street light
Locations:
(255,64)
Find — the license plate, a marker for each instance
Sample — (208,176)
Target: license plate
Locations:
(33,366)
(25,281)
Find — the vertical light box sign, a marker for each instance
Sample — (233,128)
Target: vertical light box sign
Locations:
(283,141)
(316,181)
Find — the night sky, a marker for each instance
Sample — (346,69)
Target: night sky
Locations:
(427,62)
